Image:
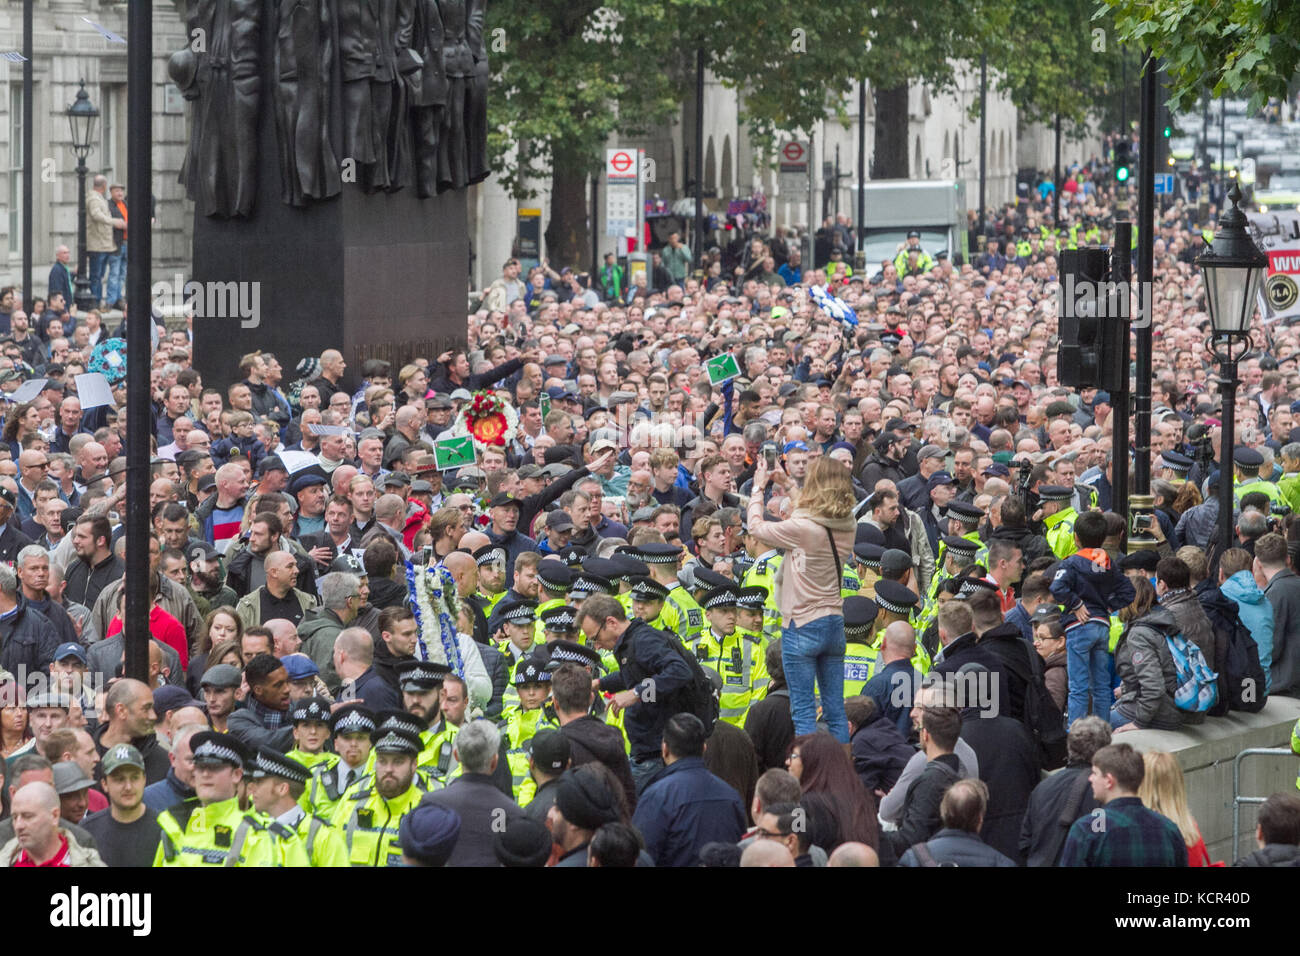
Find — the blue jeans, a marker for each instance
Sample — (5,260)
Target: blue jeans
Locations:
(1087,661)
(814,654)
(98,266)
(643,769)
(116,275)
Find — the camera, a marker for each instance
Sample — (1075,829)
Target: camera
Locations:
(769,454)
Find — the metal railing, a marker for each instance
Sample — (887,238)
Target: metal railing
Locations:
(1238,799)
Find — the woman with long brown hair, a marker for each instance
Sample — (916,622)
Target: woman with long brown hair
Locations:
(22,420)
(817,538)
(824,769)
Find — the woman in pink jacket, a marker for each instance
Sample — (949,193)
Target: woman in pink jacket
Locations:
(816,540)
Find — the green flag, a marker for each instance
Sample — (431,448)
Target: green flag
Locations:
(454,452)
(722,367)
(544,405)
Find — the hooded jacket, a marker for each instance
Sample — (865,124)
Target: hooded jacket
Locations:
(1146,672)
(1194,624)
(1274,854)
(594,741)
(808,581)
(1256,613)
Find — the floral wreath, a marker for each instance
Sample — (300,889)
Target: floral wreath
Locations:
(436,607)
(491,422)
(109,359)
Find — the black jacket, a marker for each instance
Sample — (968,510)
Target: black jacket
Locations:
(1003,651)
(11,542)
(880,753)
(1054,805)
(1009,765)
(156,762)
(440,380)
(921,809)
(771,728)
(84,582)
(515,543)
(238,574)
(531,506)
(27,640)
(644,654)
(877,467)
(385,593)
(594,741)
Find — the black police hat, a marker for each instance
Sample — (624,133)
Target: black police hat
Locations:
(895,597)
(419,676)
(752,598)
(868,554)
(571,652)
(310,708)
(352,720)
(554,575)
(658,552)
(270,763)
(648,589)
(530,670)
(965,512)
(559,619)
(211,747)
(721,597)
(859,614)
(959,545)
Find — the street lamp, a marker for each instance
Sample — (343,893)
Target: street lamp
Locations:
(82,116)
(1232,268)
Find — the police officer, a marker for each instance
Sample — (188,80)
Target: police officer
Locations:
(559,623)
(421,685)
(736,658)
(763,574)
(626,568)
(898,602)
(369,816)
(648,597)
(749,614)
(1247,463)
(310,717)
(1174,468)
(571,652)
(553,581)
(586,583)
(213,831)
(532,684)
(1058,518)
(276,787)
(867,558)
(491,561)
(350,728)
(963,520)
(924,263)
(681,614)
(860,645)
(519,624)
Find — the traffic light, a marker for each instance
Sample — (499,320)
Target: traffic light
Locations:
(1093,336)
(1123,161)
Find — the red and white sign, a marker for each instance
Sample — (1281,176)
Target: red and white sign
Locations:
(794,157)
(620,165)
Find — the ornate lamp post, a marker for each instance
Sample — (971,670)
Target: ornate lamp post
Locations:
(82,117)
(1232,269)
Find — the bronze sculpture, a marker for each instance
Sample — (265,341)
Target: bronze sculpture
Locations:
(304,52)
(220,72)
(411,77)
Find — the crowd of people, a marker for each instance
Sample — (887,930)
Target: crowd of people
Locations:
(861,600)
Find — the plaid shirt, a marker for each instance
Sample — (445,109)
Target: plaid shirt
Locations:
(1124,833)
(271,719)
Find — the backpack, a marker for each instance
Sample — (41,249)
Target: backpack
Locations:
(1042,717)
(701,695)
(1242,675)
(1197,687)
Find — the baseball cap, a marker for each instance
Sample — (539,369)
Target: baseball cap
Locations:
(551,750)
(118,756)
(70,649)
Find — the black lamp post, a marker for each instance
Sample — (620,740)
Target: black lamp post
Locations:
(82,117)
(1233,268)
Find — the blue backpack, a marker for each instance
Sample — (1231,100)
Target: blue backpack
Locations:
(1198,686)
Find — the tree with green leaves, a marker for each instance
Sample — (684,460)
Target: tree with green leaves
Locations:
(1227,46)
